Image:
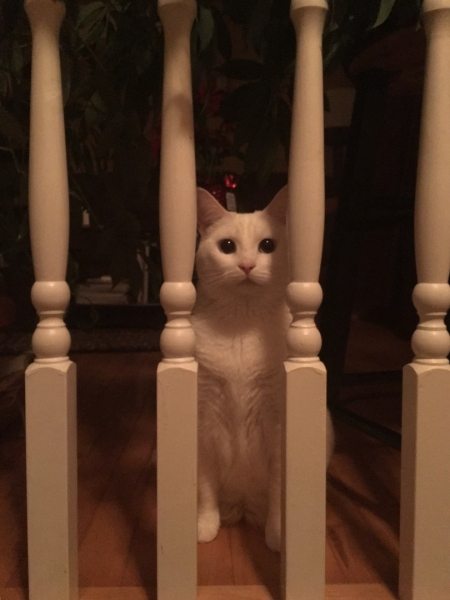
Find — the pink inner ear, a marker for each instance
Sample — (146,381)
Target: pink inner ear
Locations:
(278,205)
(209,210)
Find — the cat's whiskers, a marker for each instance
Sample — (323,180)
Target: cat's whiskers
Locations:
(260,276)
(213,275)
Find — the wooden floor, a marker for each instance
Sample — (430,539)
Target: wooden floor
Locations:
(221,592)
(116,418)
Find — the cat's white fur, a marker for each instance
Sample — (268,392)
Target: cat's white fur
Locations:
(240,321)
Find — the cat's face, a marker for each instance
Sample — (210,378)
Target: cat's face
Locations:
(241,253)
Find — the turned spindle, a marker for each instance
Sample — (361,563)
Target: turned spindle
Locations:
(51,379)
(178,211)
(48,187)
(303,556)
(425,493)
(177,373)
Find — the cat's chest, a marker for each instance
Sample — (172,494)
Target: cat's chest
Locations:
(245,350)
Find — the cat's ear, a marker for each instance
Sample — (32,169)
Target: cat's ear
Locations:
(278,205)
(208,210)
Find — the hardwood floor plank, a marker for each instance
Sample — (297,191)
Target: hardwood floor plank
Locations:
(215,561)
(12,538)
(120,427)
(253,562)
(117,502)
(13,593)
(121,593)
(108,408)
(248,592)
(359,592)
(241,592)
(140,562)
(333,592)
(363,510)
(335,573)
(13,507)
(119,506)
(364,547)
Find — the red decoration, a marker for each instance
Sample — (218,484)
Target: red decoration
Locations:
(230,181)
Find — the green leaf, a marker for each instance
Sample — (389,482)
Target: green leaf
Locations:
(90,22)
(205,27)
(87,11)
(339,10)
(384,12)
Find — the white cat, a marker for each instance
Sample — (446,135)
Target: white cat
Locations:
(240,321)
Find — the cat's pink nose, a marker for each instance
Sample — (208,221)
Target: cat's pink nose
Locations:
(246,267)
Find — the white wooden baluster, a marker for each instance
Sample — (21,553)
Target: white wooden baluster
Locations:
(305,444)
(177,373)
(51,379)
(425,497)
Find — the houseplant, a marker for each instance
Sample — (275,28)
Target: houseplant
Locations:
(111,55)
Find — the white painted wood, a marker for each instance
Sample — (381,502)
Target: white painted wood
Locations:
(304,486)
(178,184)
(177,481)
(425,491)
(52,481)
(303,559)
(51,379)
(177,373)
(425,497)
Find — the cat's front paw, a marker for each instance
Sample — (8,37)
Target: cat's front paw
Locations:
(208,525)
(273,535)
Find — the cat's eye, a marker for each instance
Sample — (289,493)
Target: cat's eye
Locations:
(227,246)
(267,246)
